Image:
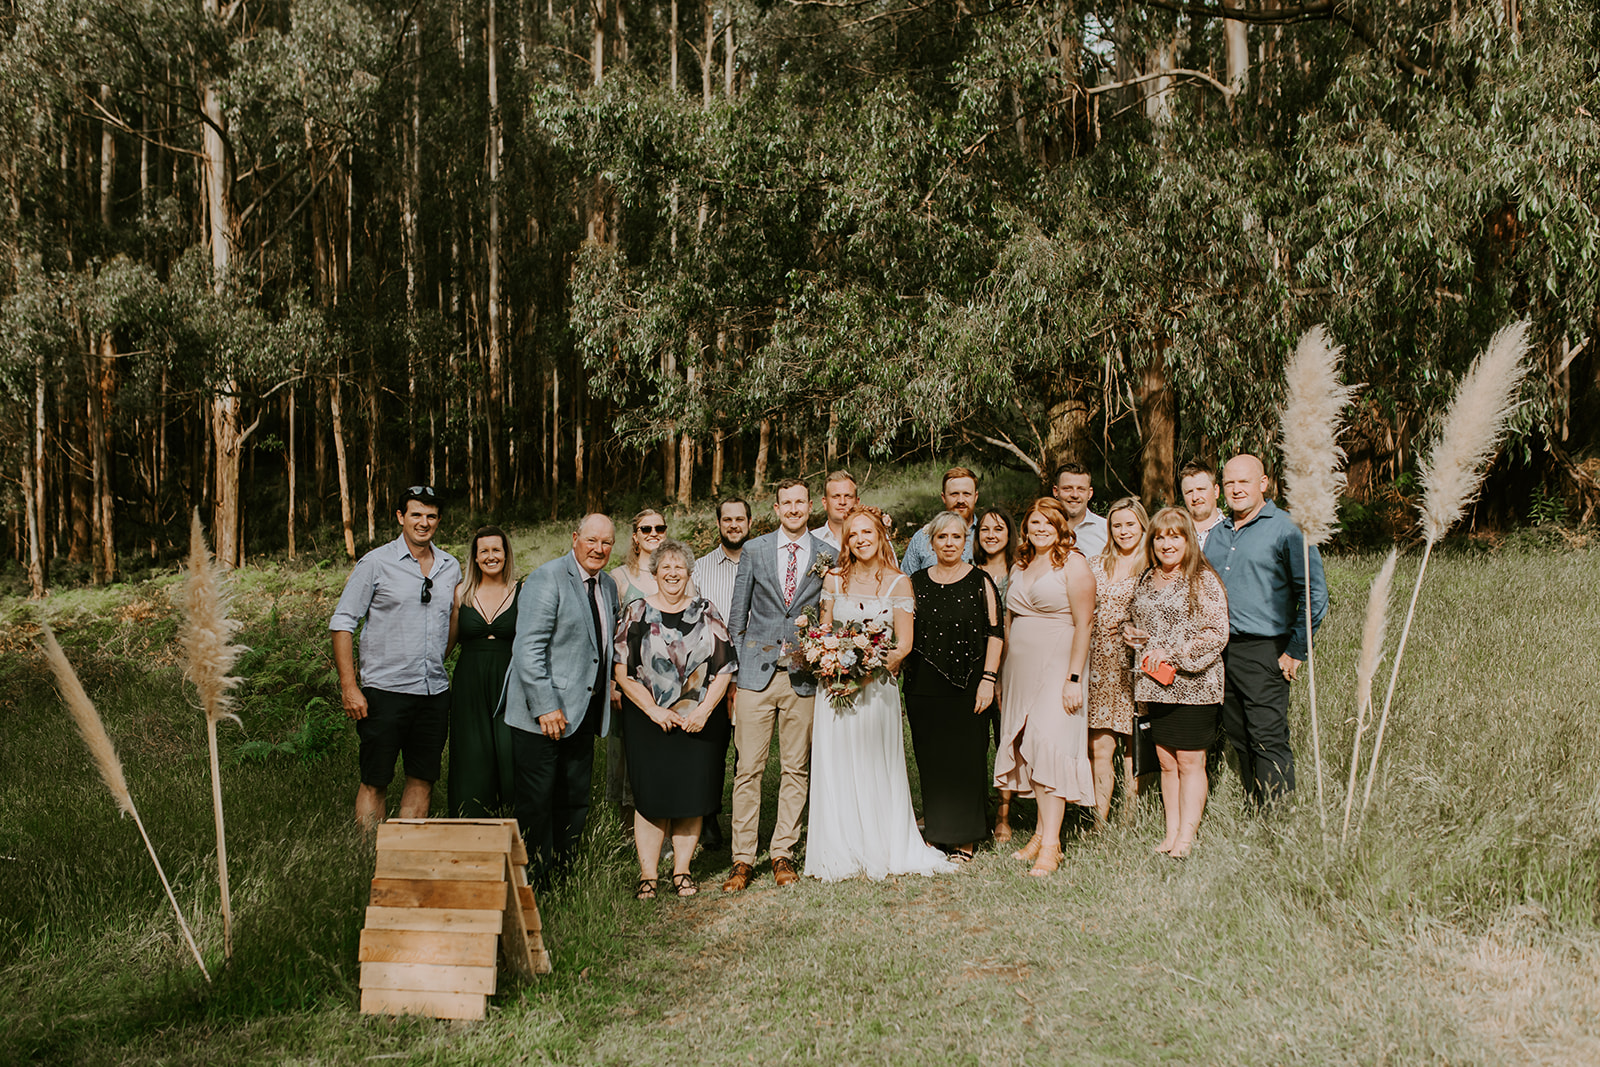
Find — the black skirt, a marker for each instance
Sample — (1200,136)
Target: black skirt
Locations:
(1183,727)
(951,743)
(674,774)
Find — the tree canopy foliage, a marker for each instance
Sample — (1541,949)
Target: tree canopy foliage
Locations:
(280,258)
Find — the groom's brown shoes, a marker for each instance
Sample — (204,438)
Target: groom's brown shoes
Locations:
(740,878)
(783,871)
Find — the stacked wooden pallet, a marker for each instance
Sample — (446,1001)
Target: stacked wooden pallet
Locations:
(449,897)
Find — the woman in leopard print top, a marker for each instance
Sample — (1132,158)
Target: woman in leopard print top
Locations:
(1181,606)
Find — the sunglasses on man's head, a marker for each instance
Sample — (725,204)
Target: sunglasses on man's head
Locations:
(652,529)
(427,590)
(424,491)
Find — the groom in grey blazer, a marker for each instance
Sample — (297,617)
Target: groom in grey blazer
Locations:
(773,588)
(557,692)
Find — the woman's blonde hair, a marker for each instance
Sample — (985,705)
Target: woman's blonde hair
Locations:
(1170,520)
(1056,516)
(633,537)
(882,563)
(1108,555)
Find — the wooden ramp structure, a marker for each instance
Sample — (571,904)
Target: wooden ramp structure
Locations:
(449,898)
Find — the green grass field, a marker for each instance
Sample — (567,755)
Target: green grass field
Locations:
(1459,928)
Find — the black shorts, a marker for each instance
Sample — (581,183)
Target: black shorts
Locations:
(412,724)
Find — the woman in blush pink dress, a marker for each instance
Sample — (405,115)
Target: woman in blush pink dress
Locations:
(1044,734)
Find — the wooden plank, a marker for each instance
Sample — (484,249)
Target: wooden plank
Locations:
(441,866)
(410,1002)
(421,893)
(445,835)
(457,920)
(530,910)
(514,935)
(428,977)
(426,946)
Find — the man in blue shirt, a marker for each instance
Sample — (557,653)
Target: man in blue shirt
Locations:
(1260,554)
(958,492)
(405,592)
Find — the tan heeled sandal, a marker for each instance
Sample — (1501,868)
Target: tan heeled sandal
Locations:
(1049,859)
(1030,851)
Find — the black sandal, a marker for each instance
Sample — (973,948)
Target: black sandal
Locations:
(685,884)
(646,889)
(960,855)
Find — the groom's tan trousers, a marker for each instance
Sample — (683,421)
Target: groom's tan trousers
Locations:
(754,716)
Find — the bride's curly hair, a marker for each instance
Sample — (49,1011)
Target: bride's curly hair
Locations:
(1056,515)
(882,563)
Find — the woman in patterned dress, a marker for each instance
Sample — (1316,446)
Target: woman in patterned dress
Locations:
(1116,571)
(674,663)
(1180,617)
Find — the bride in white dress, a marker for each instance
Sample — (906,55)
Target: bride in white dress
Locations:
(861,817)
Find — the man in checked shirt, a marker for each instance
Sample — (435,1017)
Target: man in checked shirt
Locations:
(405,592)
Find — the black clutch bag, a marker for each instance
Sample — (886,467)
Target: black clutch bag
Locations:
(1144,748)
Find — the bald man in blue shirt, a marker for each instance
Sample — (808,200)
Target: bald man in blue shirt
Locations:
(1259,552)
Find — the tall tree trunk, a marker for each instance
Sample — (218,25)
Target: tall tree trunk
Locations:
(491,441)
(35,546)
(1157,418)
(763,451)
(289,464)
(337,418)
(717,459)
(227,418)
(105,390)
(1236,36)
(1068,434)
(108,161)
(372,456)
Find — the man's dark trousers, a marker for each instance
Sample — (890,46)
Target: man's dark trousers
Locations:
(1255,715)
(552,784)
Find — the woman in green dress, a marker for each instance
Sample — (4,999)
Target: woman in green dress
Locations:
(480,740)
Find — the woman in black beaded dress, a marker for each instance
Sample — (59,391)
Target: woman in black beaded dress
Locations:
(949,684)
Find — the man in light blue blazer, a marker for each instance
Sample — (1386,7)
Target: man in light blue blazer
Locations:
(557,692)
(778,581)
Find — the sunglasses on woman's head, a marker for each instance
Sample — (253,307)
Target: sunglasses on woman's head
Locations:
(651,529)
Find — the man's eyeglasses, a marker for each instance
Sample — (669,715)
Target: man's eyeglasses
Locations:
(652,529)
(427,590)
(424,491)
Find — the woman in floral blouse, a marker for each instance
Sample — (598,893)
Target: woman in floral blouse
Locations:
(1180,620)
(674,663)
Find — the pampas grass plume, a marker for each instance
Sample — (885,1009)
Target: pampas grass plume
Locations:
(88,720)
(208,630)
(1454,471)
(104,752)
(1310,422)
(1373,632)
(207,645)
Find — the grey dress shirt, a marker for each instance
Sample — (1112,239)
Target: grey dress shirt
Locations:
(403,641)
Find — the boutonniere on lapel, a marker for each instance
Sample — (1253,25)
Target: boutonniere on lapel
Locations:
(822,565)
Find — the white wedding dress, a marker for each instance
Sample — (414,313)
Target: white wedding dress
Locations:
(861,817)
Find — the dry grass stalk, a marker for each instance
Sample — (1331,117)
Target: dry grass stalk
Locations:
(104,752)
(1454,471)
(1373,632)
(1314,477)
(208,648)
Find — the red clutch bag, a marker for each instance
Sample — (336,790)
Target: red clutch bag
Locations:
(1161,671)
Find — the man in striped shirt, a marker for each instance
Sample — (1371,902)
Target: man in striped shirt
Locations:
(714,574)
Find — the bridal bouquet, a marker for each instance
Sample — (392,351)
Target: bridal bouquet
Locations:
(844,657)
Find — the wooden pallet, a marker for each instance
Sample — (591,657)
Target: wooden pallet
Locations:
(449,897)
